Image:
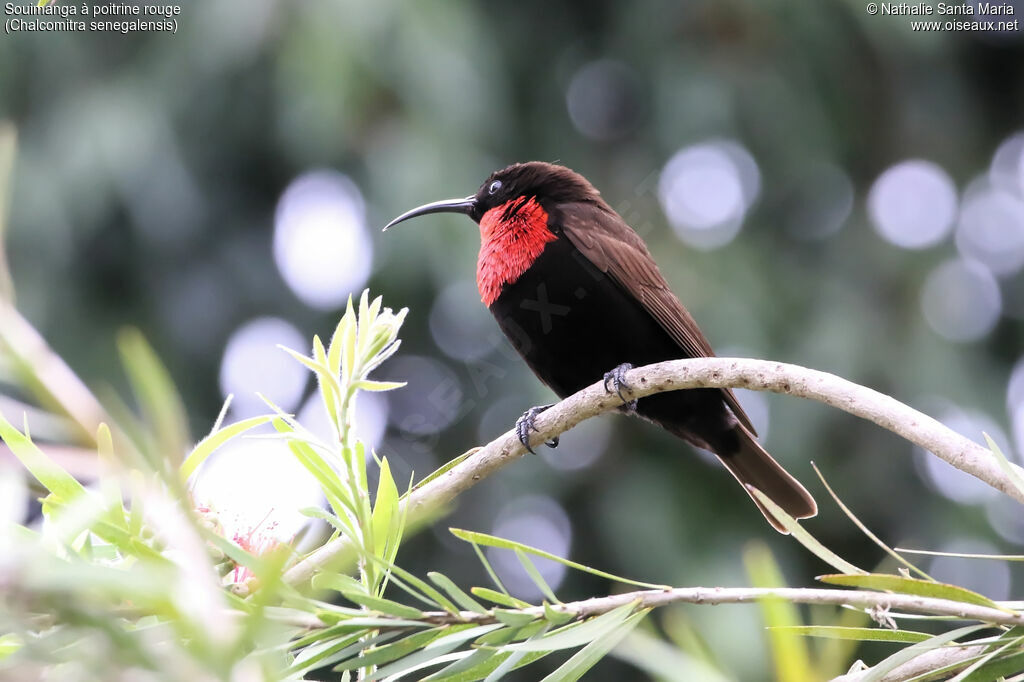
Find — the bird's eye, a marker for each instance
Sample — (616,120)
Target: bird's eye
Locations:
(495,186)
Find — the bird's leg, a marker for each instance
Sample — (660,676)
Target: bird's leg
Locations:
(615,380)
(525,424)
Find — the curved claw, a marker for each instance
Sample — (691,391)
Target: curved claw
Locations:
(617,380)
(525,424)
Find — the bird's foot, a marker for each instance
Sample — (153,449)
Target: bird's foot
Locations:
(615,381)
(525,424)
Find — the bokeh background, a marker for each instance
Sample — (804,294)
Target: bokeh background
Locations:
(819,186)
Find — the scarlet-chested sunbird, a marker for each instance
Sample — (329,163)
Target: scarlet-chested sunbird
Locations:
(576,291)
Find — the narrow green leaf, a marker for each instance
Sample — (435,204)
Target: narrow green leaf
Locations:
(9,644)
(338,582)
(348,345)
(499,598)
(963,555)
(514,619)
(333,650)
(501,543)
(974,669)
(801,535)
(856,634)
(587,657)
(578,634)
(207,446)
(444,468)
(420,584)
(345,622)
(431,653)
(790,653)
(385,513)
(490,569)
(1006,667)
(385,606)
(334,348)
(536,577)
(378,386)
(455,592)
(393,651)
(51,475)
(557,616)
(911,652)
(469,668)
(923,588)
(864,529)
(159,399)
(516,660)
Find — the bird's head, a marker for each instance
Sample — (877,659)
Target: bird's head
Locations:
(546,183)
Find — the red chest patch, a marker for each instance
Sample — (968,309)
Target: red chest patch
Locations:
(509,245)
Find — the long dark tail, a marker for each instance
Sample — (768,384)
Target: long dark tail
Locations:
(752,465)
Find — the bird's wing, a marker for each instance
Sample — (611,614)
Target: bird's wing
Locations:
(616,250)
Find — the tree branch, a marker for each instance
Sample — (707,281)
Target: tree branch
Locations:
(928,662)
(758,375)
(713,596)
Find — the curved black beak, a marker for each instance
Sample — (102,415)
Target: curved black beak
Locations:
(465,206)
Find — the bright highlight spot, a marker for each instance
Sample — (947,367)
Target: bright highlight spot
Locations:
(537,521)
(253,363)
(371,418)
(913,204)
(706,190)
(961,300)
(948,480)
(321,243)
(991,228)
(257,486)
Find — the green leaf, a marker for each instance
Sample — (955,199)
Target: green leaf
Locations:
(517,659)
(499,598)
(514,619)
(588,656)
(856,634)
(348,344)
(339,582)
(490,569)
(393,651)
(334,649)
(386,606)
(911,652)
(998,667)
(864,529)
(428,655)
(334,348)
(557,616)
(789,652)
(161,405)
(9,644)
(207,446)
(386,530)
(923,588)
(456,593)
(501,543)
(51,475)
(420,584)
(801,535)
(378,386)
(536,577)
(444,468)
(963,555)
(578,634)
